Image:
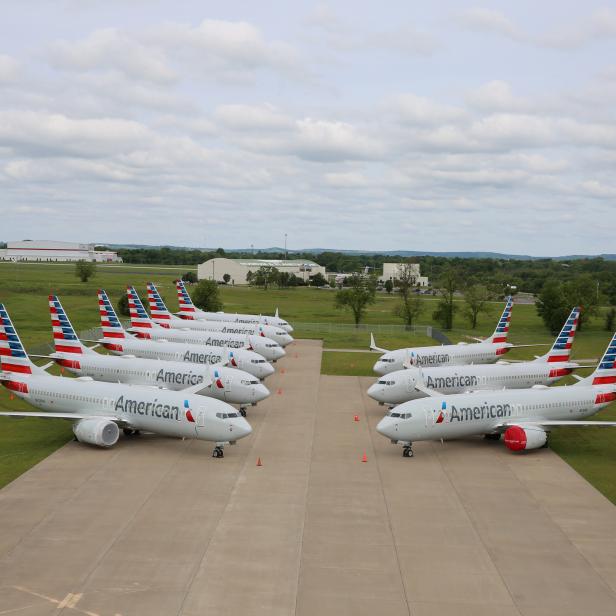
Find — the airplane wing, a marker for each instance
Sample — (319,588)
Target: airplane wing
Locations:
(426,390)
(199,387)
(69,416)
(373,346)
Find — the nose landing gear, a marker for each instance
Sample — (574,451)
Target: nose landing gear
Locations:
(243,411)
(407,452)
(218,452)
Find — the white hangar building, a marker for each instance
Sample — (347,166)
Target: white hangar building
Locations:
(391,271)
(45,250)
(215,269)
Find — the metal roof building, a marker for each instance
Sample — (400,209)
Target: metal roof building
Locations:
(215,269)
(45,250)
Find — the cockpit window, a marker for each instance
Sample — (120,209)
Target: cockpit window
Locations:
(257,361)
(400,415)
(226,415)
(388,360)
(386,382)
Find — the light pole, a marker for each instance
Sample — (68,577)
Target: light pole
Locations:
(286,256)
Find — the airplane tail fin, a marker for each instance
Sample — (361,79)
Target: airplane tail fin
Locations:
(65,339)
(605,372)
(187,308)
(140,321)
(113,332)
(13,356)
(158,310)
(561,349)
(502,329)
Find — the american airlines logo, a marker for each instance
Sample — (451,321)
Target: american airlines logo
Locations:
(201,358)
(440,358)
(443,382)
(178,378)
(220,342)
(151,409)
(236,330)
(477,413)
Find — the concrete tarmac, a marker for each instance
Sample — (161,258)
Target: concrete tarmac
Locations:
(157,526)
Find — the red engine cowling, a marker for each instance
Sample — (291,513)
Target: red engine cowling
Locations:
(518,438)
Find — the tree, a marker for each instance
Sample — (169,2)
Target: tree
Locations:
(318,280)
(190,277)
(446,308)
(610,318)
(389,286)
(410,305)
(583,291)
(358,295)
(553,306)
(475,298)
(226,278)
(84,270)
(122,304)
(265,276)
(207,296)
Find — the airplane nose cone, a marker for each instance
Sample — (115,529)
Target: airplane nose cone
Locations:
(278,353)
(374,392)
(267,370)
(287,328)
(379,368)
(241,428)
(261,392)
(384,427)
(285,340)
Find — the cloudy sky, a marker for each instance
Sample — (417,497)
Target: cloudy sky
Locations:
(389,125)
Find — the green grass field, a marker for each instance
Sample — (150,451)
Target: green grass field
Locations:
(24,289)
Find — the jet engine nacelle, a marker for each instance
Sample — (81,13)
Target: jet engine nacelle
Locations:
(518,438)
(99,432)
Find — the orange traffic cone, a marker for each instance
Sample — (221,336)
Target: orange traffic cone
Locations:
(282,371)
(355,417)
(364,458)
(259,463)
(11,397)
(279,391)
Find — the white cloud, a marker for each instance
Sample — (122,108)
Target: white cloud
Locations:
(488,20)
(413,109)
(110,48)
(9,69)
(252,117)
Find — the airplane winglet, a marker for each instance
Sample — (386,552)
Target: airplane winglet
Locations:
(276,314)
(373,346)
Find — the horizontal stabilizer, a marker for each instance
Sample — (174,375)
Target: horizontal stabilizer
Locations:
(70,416)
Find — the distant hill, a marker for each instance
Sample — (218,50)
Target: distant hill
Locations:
(393,253)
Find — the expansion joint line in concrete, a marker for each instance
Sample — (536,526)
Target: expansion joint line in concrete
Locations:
(128,522)
(378,470)
(314,423)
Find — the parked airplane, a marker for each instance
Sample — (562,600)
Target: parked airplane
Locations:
(412,382)
(144,327)
(189,311)
(98,410)
(524,416)
(163,317)
(120,342)
(484,352)
(228,384)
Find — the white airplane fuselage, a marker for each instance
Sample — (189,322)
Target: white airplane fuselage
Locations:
(228,384)
(445,355)
(262,319)
(245,329)
(399,386)
(243,359)
(142,408)
(266,347)
(461,415)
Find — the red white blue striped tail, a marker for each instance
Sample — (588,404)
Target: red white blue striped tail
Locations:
(561,349)
(139,318)
(502,329)
(113,332)
(605,373)
(64,337)
(158,310)
(187,308)
(13,356)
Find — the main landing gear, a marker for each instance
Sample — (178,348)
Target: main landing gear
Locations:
(131,432)
(243,411)
(218,452)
